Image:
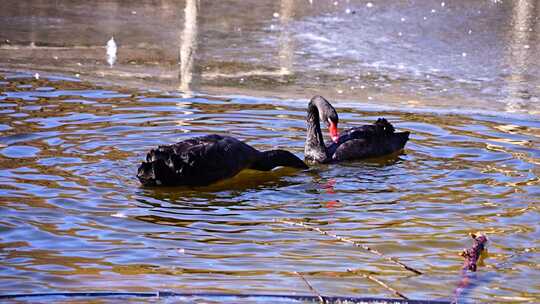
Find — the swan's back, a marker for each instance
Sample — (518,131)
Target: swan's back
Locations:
(367,141)
(196,161)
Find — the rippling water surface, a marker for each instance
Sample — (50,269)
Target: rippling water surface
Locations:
(74,217)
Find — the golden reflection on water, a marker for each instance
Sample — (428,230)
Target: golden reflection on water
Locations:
(75,218)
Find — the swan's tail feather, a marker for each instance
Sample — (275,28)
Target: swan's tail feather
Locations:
(403,137)
(385,125)
(158,168)
(162,152)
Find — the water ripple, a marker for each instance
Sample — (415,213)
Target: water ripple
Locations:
(75,218)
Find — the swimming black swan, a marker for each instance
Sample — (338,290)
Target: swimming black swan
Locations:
(366,141)
(200,161)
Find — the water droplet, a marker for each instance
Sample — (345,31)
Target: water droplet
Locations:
(241,80)
(370,98)
(400,33)
(443,4)
(362,87)
(134,12)
(36,76)
(369,4)
(348,11)
(526,46)
(403,19)
(433,11)
(336,3)
(470,32)
(464,54)
(276,15)
(340,91)
(425,18)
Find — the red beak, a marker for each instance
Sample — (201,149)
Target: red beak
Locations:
(334,133)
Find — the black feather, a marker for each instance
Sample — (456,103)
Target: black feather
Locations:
(204,160)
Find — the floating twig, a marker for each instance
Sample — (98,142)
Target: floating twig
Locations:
(321,298)
(472,255)
(470,265)
(350,241)
(374,279)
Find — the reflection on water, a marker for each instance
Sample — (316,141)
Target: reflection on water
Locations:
(285,41)
(520,54)
(476,55)
(74,217)
(188,45)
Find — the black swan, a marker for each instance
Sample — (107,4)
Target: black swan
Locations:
(366,141)
(201,161)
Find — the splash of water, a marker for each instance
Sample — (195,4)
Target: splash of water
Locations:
(111,51)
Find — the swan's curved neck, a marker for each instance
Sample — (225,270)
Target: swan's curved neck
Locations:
(268,160)
(314,149)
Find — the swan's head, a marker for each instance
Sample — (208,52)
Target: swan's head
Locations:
(333,128)
(328,115)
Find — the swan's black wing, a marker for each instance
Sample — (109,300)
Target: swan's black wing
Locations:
(367,141)
(196,161)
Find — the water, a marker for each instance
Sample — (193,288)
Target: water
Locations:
(74,217)
(481,55)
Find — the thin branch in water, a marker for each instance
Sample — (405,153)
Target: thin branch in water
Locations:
(321,298)
(349,241)
(470,264)
(381,283)
(472,255)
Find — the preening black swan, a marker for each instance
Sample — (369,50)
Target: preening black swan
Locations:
(201,161)
(366,141)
